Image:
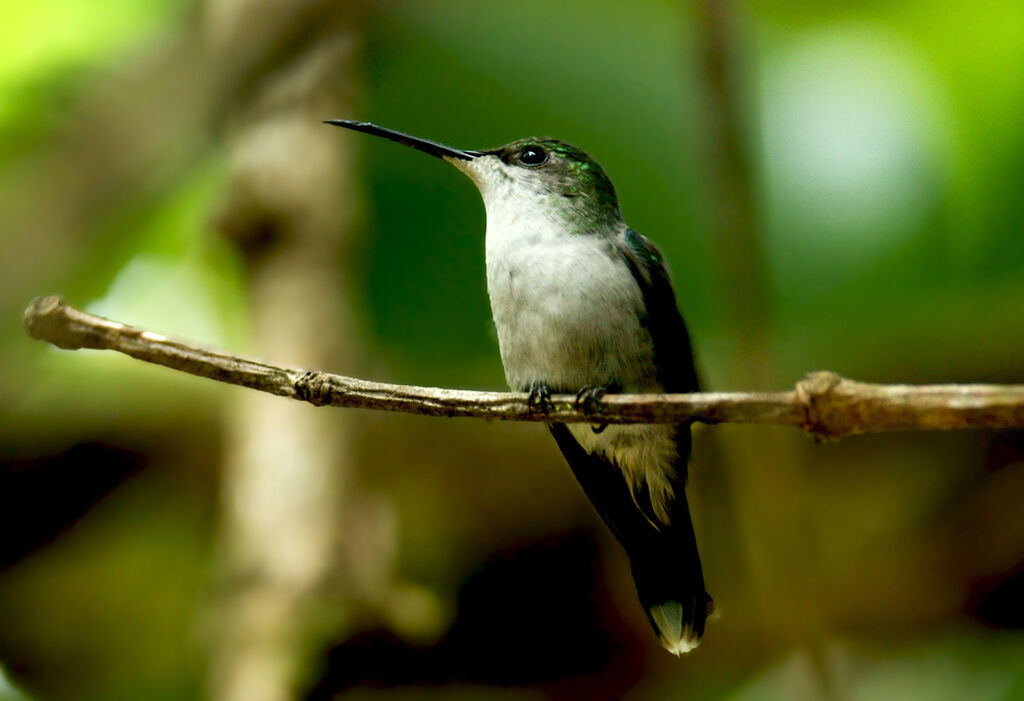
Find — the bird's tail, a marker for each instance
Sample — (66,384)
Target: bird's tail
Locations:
(663,556)
(670,582)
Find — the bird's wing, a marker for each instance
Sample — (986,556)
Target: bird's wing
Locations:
(673,354)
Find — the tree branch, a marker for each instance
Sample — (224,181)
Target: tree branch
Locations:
(823,404)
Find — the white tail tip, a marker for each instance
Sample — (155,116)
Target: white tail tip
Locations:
(673,635)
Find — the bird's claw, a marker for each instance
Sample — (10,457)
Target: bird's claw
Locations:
(587,398)
(587,401)
(540,398)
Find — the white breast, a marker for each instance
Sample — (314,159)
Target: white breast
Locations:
(566,309)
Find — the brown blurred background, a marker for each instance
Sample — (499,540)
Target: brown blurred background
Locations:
(835,186)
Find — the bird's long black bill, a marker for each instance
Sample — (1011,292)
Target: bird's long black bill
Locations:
(425,145)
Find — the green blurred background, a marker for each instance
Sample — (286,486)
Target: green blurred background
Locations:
(867,220)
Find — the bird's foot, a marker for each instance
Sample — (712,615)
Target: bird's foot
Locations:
(587,398)
(587,401)
(540,397)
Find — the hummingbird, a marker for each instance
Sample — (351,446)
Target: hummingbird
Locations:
(583,305)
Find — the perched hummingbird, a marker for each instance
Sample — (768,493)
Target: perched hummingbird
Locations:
(583,304)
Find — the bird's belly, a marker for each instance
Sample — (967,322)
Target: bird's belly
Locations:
(569,315)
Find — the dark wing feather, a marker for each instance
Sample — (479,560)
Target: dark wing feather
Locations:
(673,354)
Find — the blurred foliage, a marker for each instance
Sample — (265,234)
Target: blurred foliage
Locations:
(51,51)
(889,144)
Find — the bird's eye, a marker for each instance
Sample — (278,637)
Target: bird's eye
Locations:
(533,156)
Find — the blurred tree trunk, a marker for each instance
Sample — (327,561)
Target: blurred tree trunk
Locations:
(739,259)
(766,509)
(289,210)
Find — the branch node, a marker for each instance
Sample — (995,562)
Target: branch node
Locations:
(815,394)
(314,387)
(42,321)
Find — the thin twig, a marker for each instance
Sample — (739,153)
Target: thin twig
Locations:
(824,404)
